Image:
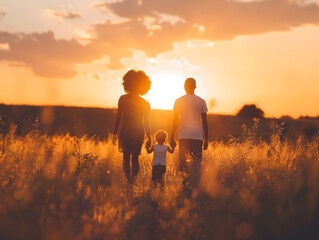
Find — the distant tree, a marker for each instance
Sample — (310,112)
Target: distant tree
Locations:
(286,117)
(250,111)
(304,117)
(212,104)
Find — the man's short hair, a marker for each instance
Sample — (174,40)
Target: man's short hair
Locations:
(190,83)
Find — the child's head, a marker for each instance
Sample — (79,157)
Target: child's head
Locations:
(160,136)
(136,82)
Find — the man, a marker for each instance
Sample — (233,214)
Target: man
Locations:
(192,111)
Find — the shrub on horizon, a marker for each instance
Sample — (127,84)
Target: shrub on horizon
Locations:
(250,111)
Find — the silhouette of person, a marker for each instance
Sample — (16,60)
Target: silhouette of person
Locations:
(192,112)
(159,159)
(133,112)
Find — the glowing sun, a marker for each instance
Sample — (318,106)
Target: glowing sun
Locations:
(166,88)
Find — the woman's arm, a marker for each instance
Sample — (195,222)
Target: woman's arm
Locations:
(116,124)
(147,129)
(149,150)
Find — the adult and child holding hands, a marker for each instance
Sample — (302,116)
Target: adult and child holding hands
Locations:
(133,111)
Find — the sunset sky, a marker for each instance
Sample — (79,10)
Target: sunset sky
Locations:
(74,52)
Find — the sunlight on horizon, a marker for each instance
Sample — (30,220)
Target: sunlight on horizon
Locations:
(166,88)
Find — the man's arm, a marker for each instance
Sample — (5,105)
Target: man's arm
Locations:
(173,130)
(205,128)
(170,150)
(147,129)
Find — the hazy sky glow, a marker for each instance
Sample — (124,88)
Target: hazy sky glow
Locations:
(74,52)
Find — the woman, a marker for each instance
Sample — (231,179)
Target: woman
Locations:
(133,110)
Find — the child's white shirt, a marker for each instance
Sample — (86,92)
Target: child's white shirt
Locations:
(159,157)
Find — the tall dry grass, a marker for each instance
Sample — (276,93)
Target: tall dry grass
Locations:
(63,187)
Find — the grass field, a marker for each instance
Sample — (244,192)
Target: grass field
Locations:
(63,187)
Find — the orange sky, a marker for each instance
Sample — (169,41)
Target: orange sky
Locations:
(72,52)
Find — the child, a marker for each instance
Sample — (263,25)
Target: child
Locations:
(133,112)
(159,158)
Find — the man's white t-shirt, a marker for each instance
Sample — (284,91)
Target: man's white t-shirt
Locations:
(159,157)
(190,107)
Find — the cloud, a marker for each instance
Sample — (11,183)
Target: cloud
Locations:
(99,5)
(63,14)
(225,19)
(2,14)
(45,55)
(147,30)
(4,47)
(153,26)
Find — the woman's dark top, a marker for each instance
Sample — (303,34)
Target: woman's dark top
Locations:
(133,109)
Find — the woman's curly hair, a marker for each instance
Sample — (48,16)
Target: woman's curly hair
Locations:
(160,136)
(137,82)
